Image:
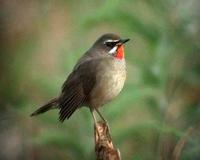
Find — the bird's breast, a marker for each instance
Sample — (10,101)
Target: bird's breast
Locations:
(109,81)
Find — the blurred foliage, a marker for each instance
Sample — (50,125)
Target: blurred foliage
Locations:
(42,40)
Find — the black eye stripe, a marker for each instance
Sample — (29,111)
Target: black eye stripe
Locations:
(111,44)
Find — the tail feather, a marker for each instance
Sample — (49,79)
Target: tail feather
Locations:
(50,105)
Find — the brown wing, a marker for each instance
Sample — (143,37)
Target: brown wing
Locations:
(76,88)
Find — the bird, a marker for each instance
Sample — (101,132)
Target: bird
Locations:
(96,79)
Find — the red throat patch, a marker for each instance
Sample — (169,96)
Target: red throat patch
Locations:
(120,52)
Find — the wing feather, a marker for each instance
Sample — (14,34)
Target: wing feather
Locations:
(76,89)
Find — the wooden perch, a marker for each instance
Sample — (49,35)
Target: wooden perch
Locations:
(103,143)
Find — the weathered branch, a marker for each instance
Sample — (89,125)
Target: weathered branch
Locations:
(103,143)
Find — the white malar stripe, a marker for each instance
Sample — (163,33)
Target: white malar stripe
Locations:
(113,50)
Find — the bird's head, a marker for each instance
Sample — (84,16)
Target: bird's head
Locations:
(111,44)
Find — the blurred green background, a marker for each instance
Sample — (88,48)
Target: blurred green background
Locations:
(42,40)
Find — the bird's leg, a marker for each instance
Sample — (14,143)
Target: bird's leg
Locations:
(95,122)
(93,115)
(100,115)
(105,122)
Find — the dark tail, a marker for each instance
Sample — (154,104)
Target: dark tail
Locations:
(50,105)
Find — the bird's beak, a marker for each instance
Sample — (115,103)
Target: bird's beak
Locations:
(122,41)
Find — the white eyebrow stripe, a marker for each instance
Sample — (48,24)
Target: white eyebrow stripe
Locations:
(112,40)
(113,50)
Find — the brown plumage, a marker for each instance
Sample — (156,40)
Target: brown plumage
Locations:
(97,78)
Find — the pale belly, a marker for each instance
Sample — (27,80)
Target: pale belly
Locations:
(109,84)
